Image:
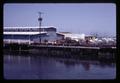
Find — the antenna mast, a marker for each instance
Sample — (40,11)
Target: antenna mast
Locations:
(40,22)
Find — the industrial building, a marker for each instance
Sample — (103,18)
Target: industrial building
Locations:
(31,35)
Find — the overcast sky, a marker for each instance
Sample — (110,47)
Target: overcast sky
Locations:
(76,18)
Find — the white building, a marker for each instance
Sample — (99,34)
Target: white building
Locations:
(73,36)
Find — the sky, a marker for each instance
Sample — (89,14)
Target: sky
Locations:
(77,18)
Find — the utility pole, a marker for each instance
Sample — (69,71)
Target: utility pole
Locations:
(40,21)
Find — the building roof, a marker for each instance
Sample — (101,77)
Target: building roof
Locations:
(27,27)
(23,33)
(59,34)
(65,32)
(30,29)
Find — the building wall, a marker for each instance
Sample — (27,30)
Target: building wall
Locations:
(50,37)
(24,37)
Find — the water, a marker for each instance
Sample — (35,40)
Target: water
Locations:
(42,67)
